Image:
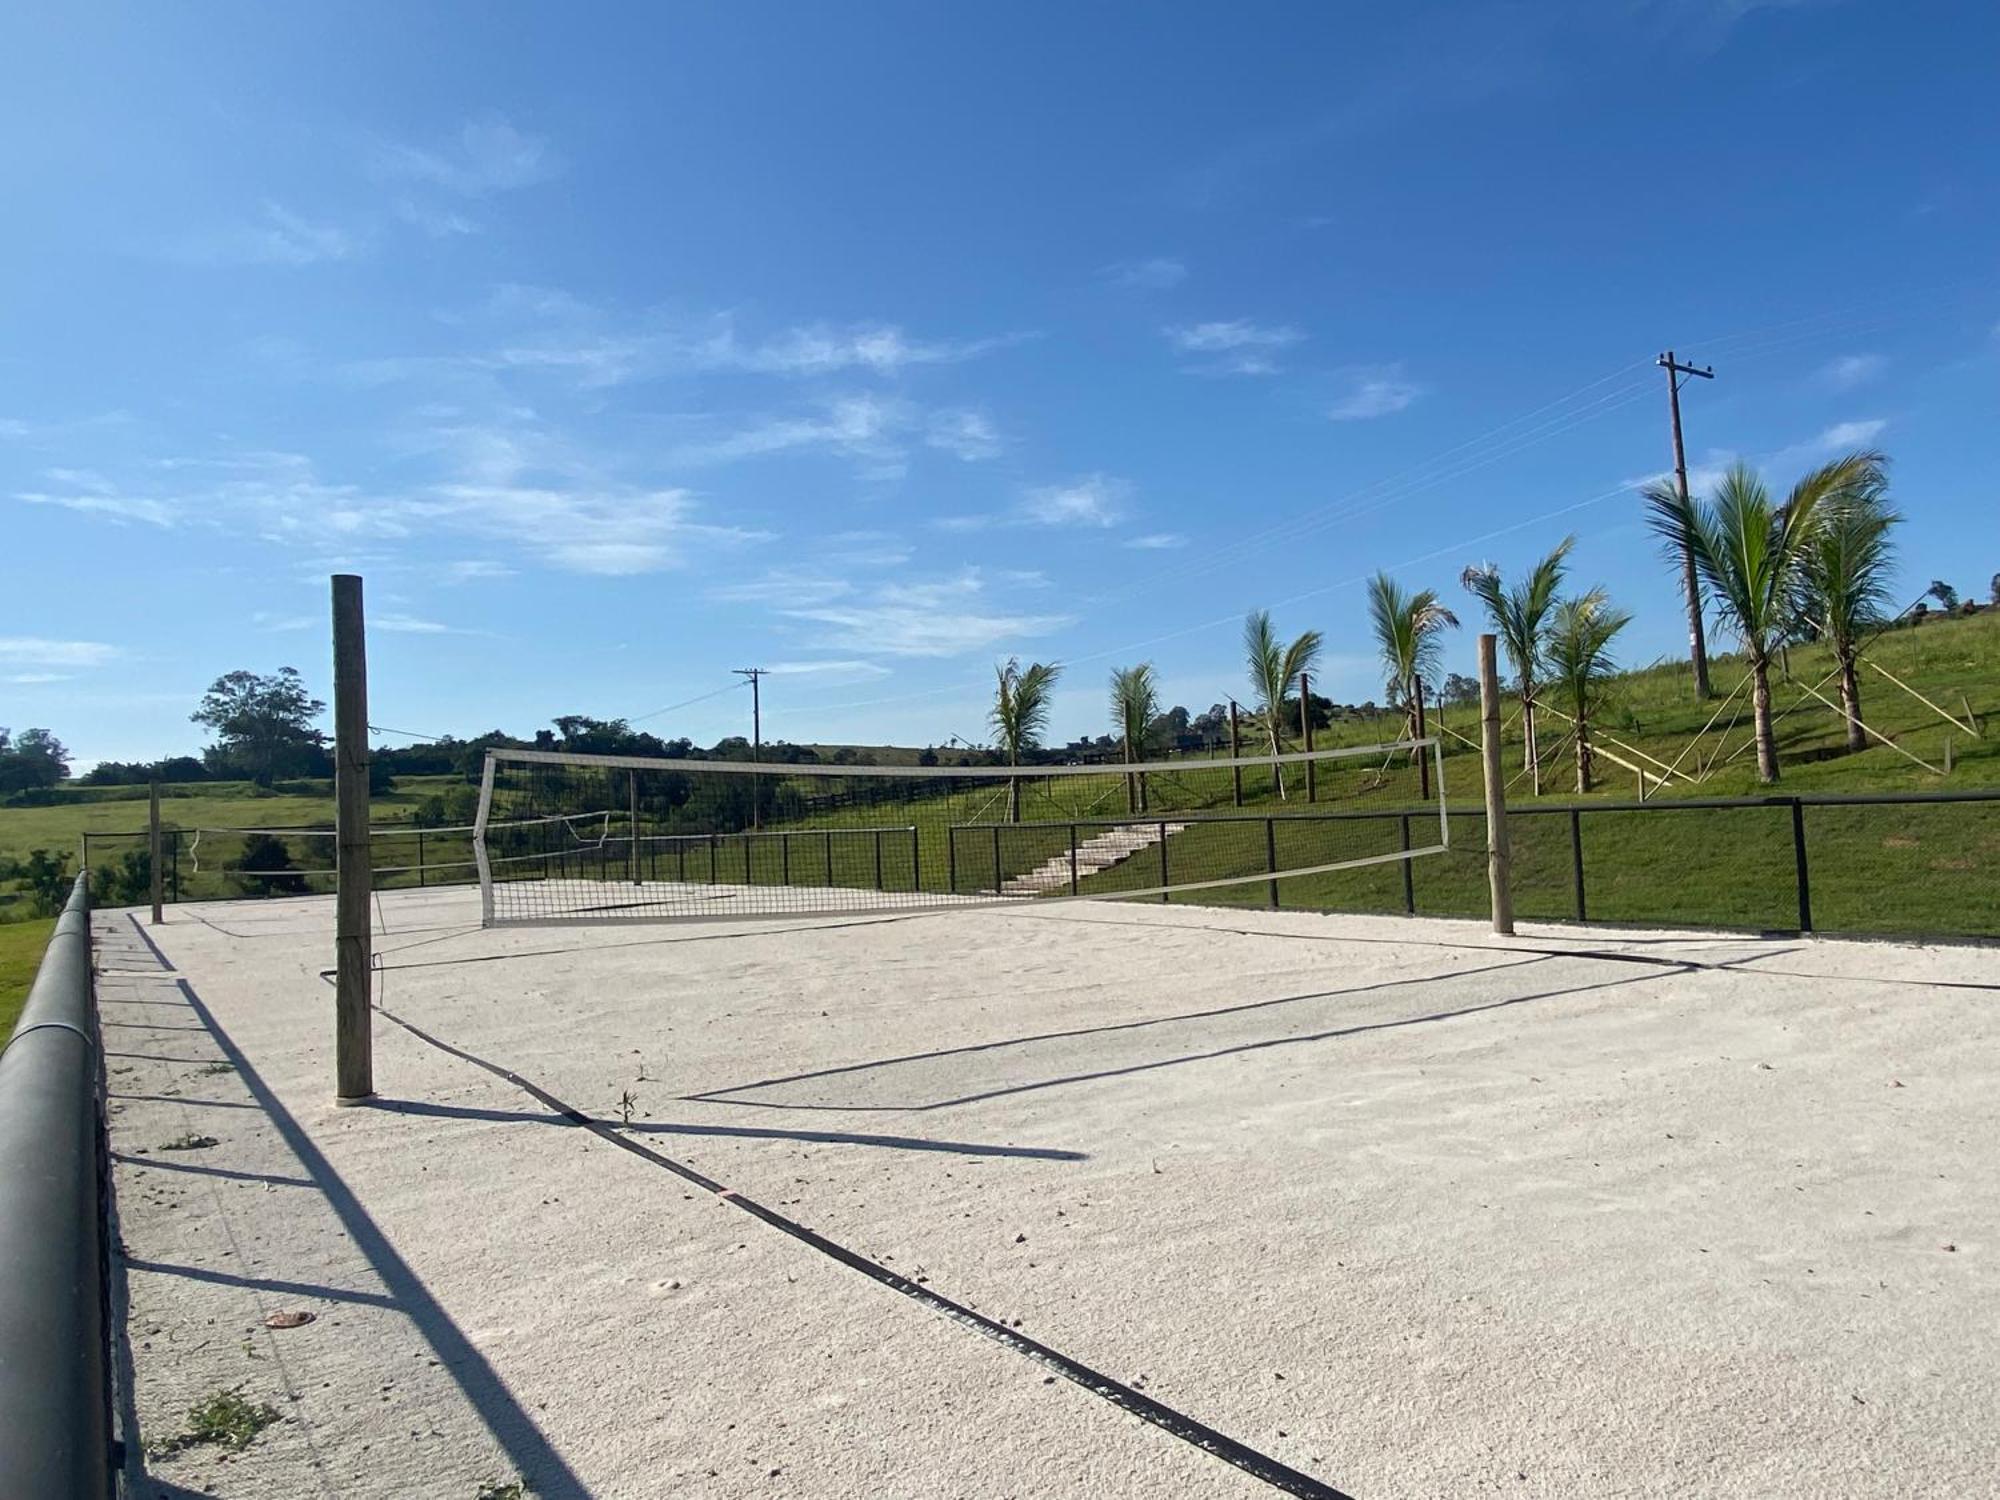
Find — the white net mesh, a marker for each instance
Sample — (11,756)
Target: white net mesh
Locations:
(582,838)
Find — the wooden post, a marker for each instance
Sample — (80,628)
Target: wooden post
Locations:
(1423,761)
(1235,753)
(1306,734)
(354,1063)
(156,876)
(1498,854)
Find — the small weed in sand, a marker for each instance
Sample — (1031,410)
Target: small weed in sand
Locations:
(189,1142)
(223,1418)
(217,1067)
(511,1490)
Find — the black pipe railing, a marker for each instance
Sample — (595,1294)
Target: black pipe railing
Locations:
(55,1437)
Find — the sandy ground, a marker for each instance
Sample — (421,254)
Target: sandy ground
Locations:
(1394,1204)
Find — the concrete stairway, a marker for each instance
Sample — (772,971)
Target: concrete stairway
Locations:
(1099,852)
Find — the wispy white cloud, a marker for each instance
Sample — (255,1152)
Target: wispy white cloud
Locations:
(1159,273)
(1830,442)
(33,679)
(1238,347)
(470,569)
(943,617)
(820,349)
(966,435)
(831,673)
(438,223)
(1157,541)
(278,237)
(1094,500)
(1850,370)
(487,155)
(404,624)
(41,651)
(1376,391)
(113,507)
(787,586)
(862,427)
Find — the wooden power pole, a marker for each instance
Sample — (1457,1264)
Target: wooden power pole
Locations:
(1690,585)
(354,1056)
(756,676)
(1499,853)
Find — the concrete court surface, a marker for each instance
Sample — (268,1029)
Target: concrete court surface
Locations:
(1401,1208)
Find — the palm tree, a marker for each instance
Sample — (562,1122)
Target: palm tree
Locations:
(1135,704)
(1748,551)
(1578,655)
(1520,618)
(1844,583)
(1274,667)
(1406,628)
(1020,714)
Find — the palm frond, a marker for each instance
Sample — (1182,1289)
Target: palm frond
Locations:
(1021,703)
(1135,703)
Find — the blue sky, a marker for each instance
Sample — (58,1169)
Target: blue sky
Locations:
(620,347)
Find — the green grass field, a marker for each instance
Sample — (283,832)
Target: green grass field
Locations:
(1928,868)
(21,945)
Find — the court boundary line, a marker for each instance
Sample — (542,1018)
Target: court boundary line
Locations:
(1133,1402)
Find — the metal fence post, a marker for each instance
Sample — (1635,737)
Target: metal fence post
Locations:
(951,858)
(916,860)
(785,858)
(878,861)
(829,856)
(1799,859)
(1073,884)
(1576,861)
(1271,856)
(1164,881)
(421,881)
(996,859)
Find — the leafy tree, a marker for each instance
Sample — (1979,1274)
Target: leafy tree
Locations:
(1994,588)
(1274,667)
(1458,688)
(1135,707)
(1577,652)
(1945,594)
(126,883)
(46,876)
(35,759)
(1020,715)
(1748,551)
(1844,582)
(266,868)
(1407,629)
(1520,617)
(174,768)
(263,724)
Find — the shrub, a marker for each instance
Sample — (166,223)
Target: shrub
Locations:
(265,868)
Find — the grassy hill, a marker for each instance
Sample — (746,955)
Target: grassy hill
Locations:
(1733,866)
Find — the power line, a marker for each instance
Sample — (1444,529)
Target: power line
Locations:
(685,703)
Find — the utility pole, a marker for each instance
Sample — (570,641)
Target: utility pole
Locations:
(353,942)
(1697,644)
(756,676)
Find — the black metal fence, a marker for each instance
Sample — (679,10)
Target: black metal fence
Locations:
(55,1438)
(1906,864)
